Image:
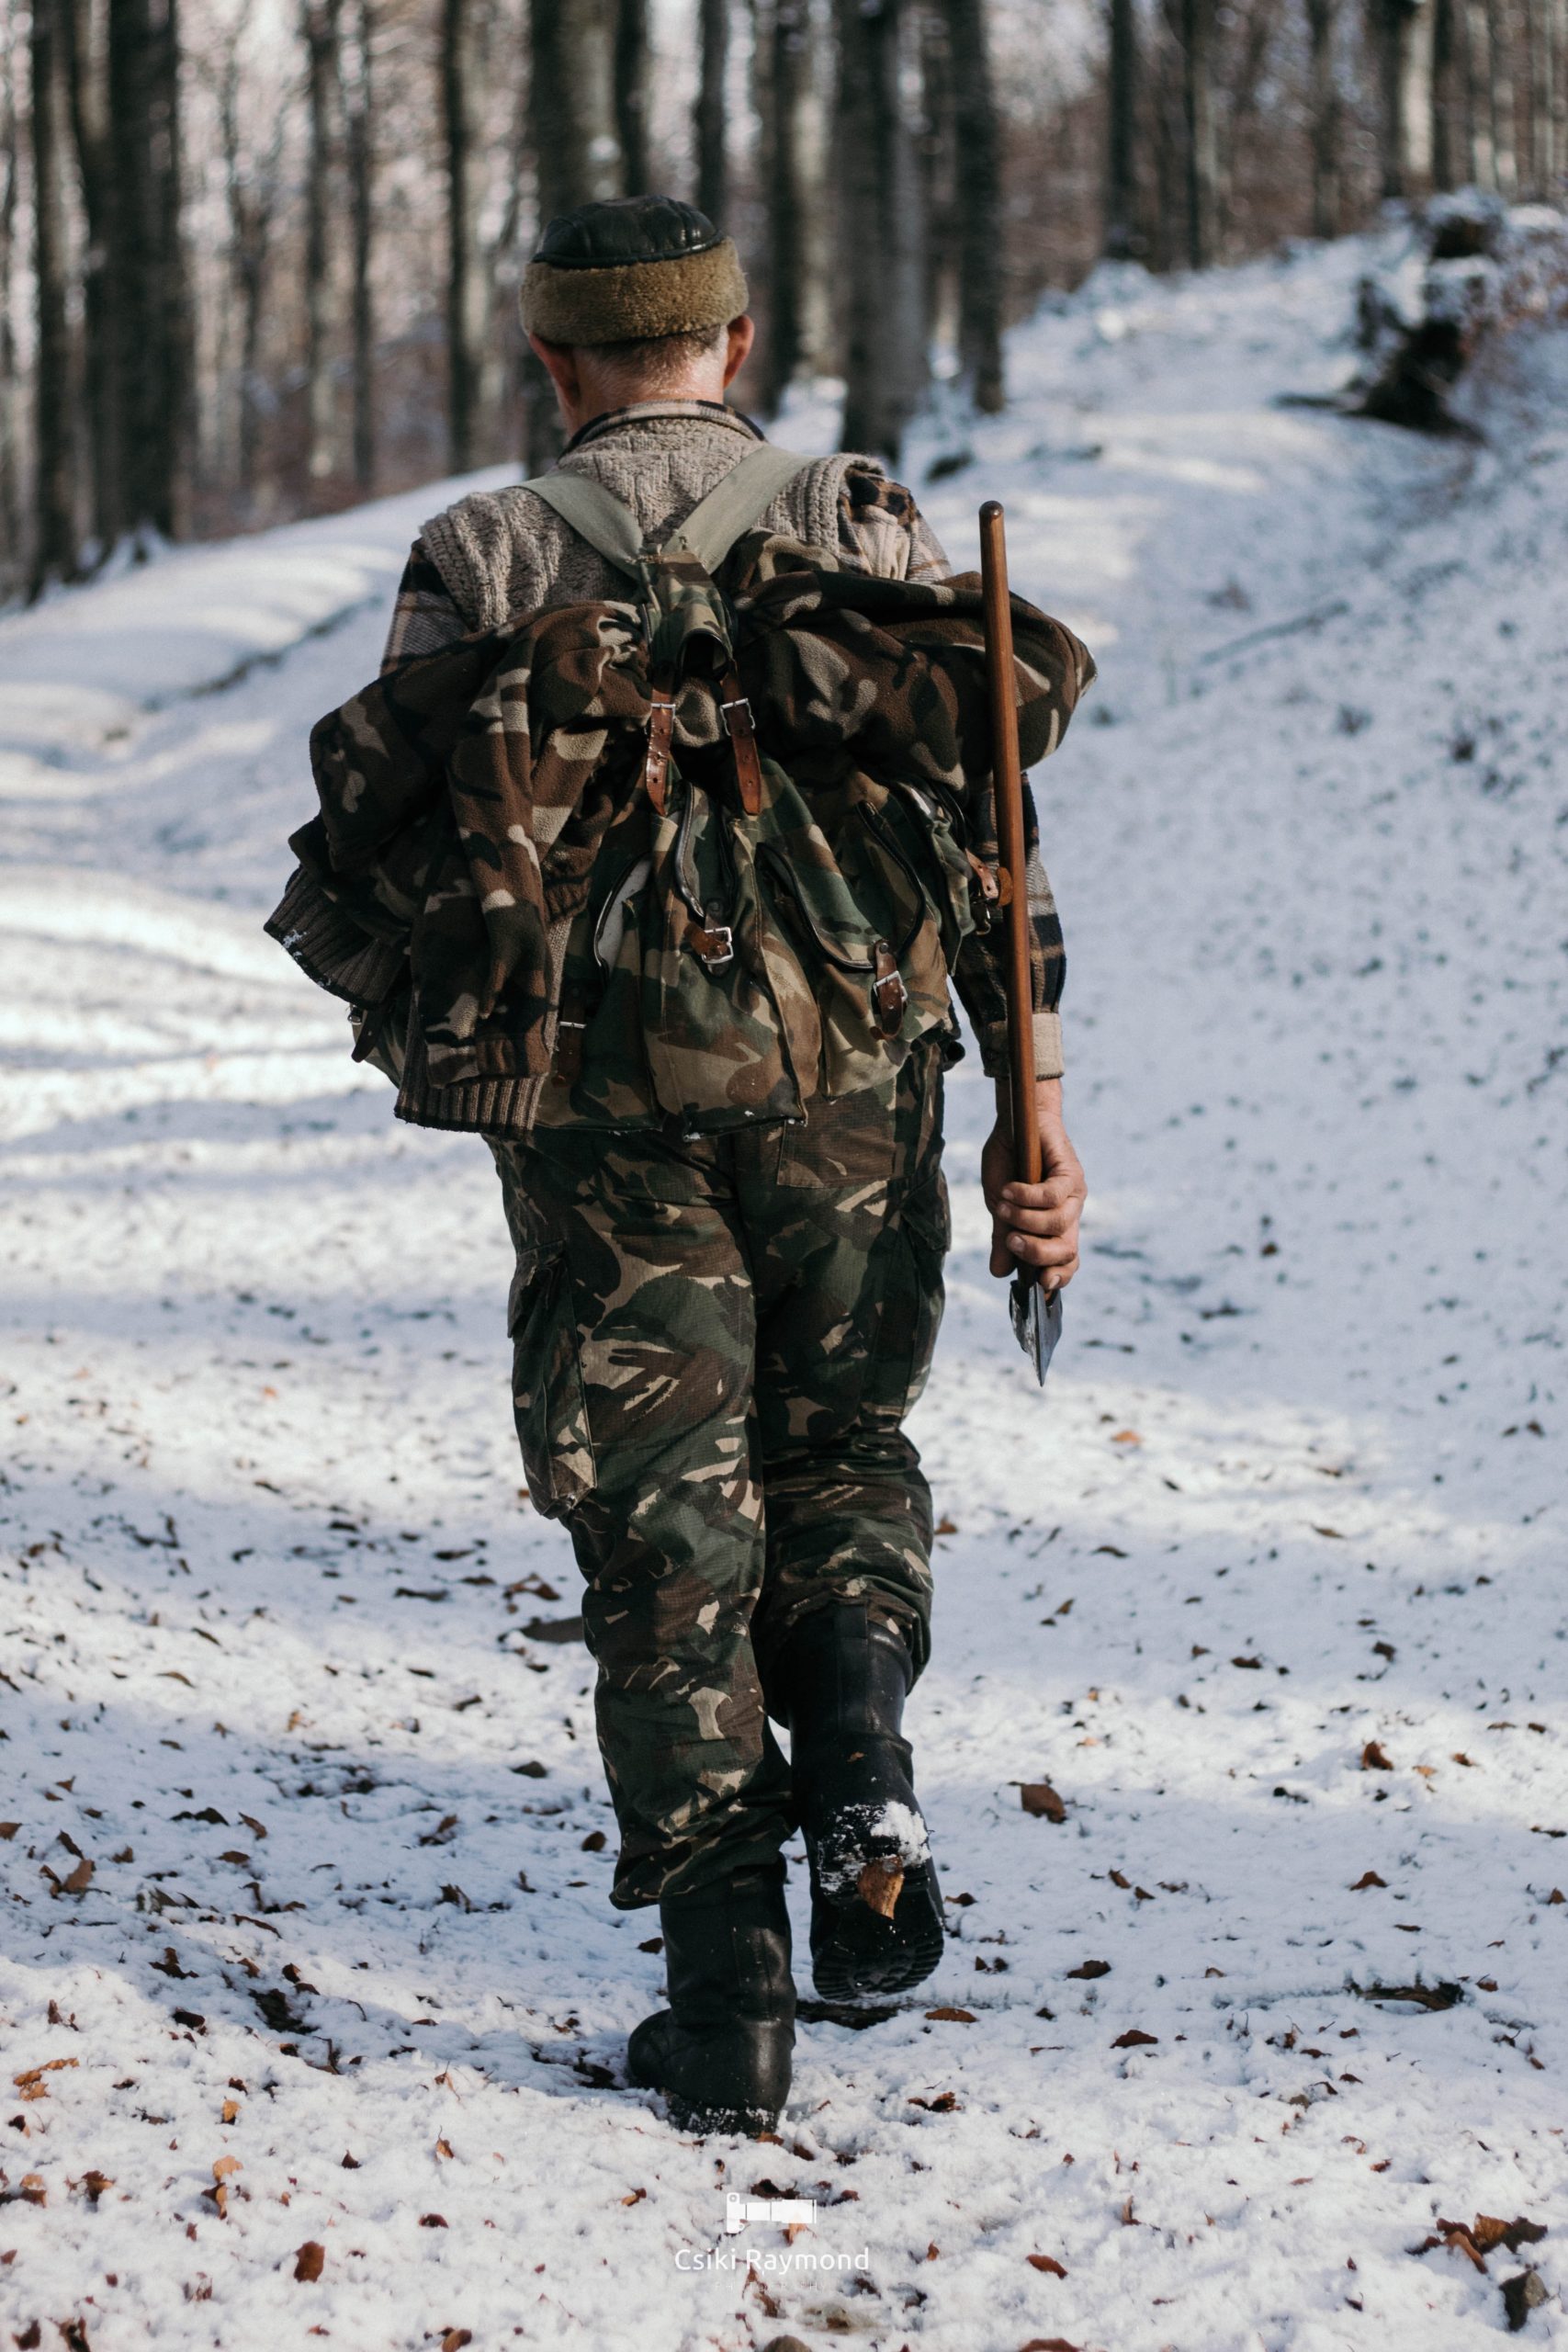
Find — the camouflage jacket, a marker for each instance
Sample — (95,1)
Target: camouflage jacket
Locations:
(484,851)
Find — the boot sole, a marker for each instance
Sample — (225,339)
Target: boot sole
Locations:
(863,1956)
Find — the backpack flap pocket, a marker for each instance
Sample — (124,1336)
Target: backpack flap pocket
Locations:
(716,1038)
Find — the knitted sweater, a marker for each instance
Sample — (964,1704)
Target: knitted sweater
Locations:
(497,553)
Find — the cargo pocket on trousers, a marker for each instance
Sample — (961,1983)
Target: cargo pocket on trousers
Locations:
(548,1400)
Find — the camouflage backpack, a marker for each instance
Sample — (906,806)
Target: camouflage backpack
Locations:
(754,933)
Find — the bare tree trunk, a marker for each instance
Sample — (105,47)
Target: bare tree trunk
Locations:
(1545,64)
(1327,195)
(252,193)
(1122,240)
(783,59)
(1166,203)
(877,216)
(631,94)
(1203,150)
(1478,93)
(800,336)
(462,70)
(10,389)
(1505,133)
(938,145)
(1448,94)
(87,26)
(149,295)
(55,521)
(1417,57)
(981,260)
(1251,39)
(577,153)
(319,25)
(577,148)
(710,123)
(360,110)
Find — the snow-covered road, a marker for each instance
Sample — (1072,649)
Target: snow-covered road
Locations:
(304,1938)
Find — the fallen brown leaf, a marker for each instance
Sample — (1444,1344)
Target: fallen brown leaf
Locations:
(454,2338)
(1134,2039)
(1368,1878)
(1489,2232)
(310,2261)
(30,2082)
(1046,2262)
(1040,1799)
(879,1885)
(1087,1969)
(432,2221)
(951,2017)
(1374,1758)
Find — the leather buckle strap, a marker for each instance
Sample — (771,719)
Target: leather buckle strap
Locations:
(741,729)
(888,993)
(661,735)
(568,1067)
(713,942)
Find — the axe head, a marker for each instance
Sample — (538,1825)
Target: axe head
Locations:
(1036,1321)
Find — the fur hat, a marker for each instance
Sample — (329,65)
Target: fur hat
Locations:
(630,270)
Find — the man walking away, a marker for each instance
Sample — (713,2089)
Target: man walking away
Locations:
(721,1323)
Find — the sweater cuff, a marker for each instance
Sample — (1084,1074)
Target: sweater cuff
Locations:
(993,1043)
(1047,1045)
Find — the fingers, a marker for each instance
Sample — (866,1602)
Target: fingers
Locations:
(1040,1221)
(1058,1190)
(1029,1250)
(1014,1253)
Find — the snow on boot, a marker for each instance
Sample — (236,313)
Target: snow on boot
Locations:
(720,2053)
(839,1683)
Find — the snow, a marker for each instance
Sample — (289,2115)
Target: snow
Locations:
(1299,1472)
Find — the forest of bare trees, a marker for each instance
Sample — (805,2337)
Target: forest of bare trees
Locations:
(260,257)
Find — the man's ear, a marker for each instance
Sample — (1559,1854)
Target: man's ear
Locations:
(742,332)
(560,361)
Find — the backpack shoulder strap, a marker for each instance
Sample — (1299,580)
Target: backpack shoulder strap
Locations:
(709,531)
(596,514)
(734,504)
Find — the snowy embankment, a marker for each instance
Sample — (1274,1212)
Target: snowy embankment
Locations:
(306,1942)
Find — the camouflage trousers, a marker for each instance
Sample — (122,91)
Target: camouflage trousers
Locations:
(716,1341)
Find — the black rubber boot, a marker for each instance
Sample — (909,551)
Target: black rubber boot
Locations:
(840,1681)
(720,2053)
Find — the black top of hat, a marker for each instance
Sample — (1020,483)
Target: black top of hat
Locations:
(627,229)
